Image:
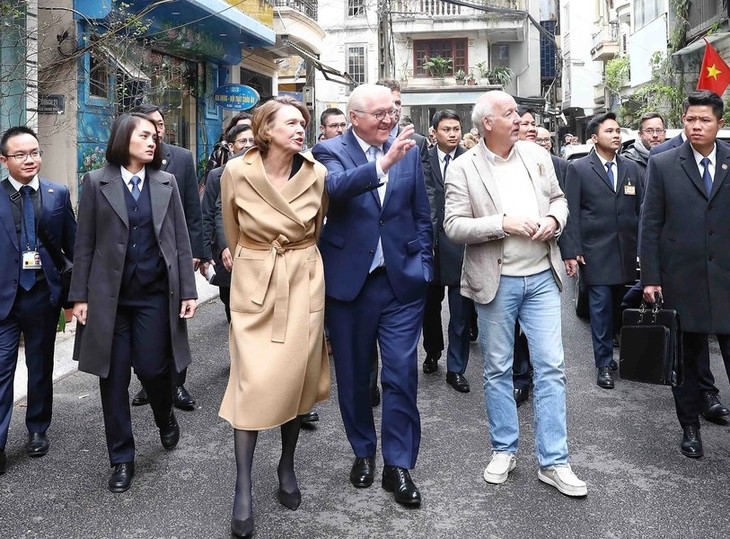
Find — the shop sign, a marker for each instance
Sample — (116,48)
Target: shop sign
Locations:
(236,97)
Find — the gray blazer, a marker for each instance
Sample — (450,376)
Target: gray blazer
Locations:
(99,254)
(473,215)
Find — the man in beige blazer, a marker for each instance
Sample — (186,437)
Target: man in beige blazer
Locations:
(504,202)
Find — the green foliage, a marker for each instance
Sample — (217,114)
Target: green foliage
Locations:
(438,65)
(679,32)
(664,93)
(500,75)
(616,75)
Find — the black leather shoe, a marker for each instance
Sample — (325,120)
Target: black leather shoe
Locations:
(375,397)
(242,528)
(457,381)
(605,378)
(290,500)
(691,445)
(521,395)
(170,433)
(362,472)
(183,400)
(711,407)
(613,365)
(3,462)
(121,478)
(37,445)
(398,481)
(141,398)
(431,364)
(311,417)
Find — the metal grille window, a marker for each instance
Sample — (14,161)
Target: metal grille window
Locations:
(355,8)
(452,49)
(356,63)
(548,51)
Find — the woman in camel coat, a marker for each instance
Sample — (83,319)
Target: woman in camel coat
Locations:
(272,203)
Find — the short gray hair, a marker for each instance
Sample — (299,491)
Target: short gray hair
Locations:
(482,109)
(361,94)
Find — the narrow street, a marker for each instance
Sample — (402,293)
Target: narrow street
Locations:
(624,443)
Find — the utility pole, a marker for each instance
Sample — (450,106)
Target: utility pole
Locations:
(385,56)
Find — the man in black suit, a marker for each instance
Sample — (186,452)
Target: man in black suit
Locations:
(239,139)
(685,246)
(448,257)
(710,406)
(180,163)
(544,139)
(604,195)
(36,218)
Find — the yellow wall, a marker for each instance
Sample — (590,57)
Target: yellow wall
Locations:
(261,10)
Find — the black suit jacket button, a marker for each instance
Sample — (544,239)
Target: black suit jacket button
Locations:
(371,252)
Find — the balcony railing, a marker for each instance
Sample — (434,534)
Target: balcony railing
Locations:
(437,8)
(308,7)
(608,33)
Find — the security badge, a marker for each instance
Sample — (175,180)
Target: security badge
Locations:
(629,190)
(31,260)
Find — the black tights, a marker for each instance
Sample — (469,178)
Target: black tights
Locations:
(244,443)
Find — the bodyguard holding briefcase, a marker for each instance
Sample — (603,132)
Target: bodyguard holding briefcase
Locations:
(685,246)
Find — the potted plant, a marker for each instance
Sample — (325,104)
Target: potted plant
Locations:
(500,75)
(483,70)
(471,80)
(460,77)
(438,66)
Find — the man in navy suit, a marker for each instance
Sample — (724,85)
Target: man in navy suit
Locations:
(448,257)
(33,211)
(180,163)
(604,193)
(377,252)
(685,252)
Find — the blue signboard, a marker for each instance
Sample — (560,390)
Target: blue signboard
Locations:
(236,97)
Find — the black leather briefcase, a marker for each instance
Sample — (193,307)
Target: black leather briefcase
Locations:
(651,345)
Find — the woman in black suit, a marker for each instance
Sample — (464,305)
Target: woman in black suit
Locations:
(133,286)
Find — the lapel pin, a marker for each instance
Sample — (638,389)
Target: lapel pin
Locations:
(51,190)
(164,161)
(724,166)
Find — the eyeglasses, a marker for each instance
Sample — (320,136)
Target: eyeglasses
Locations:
(652,132)
(543,141)
(335,126)
(380,115)
(244,141)
(22,157)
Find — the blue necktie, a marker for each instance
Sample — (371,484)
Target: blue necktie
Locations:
(373,153)
(609,173)
(706,177)
(27,236)
(447,158)
(135,186)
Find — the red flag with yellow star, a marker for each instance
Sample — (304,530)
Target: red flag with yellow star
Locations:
(715,73)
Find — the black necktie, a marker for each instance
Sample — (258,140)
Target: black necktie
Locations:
(27,235)
(706,177)
(447,158)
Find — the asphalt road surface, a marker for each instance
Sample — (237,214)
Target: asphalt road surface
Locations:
(624,443)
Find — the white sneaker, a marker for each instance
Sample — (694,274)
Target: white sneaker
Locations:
(561,477)
(499,467)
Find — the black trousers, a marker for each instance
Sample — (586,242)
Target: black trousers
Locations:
(686,396)
(141,342)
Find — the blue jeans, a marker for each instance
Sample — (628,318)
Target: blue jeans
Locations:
(535,302)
